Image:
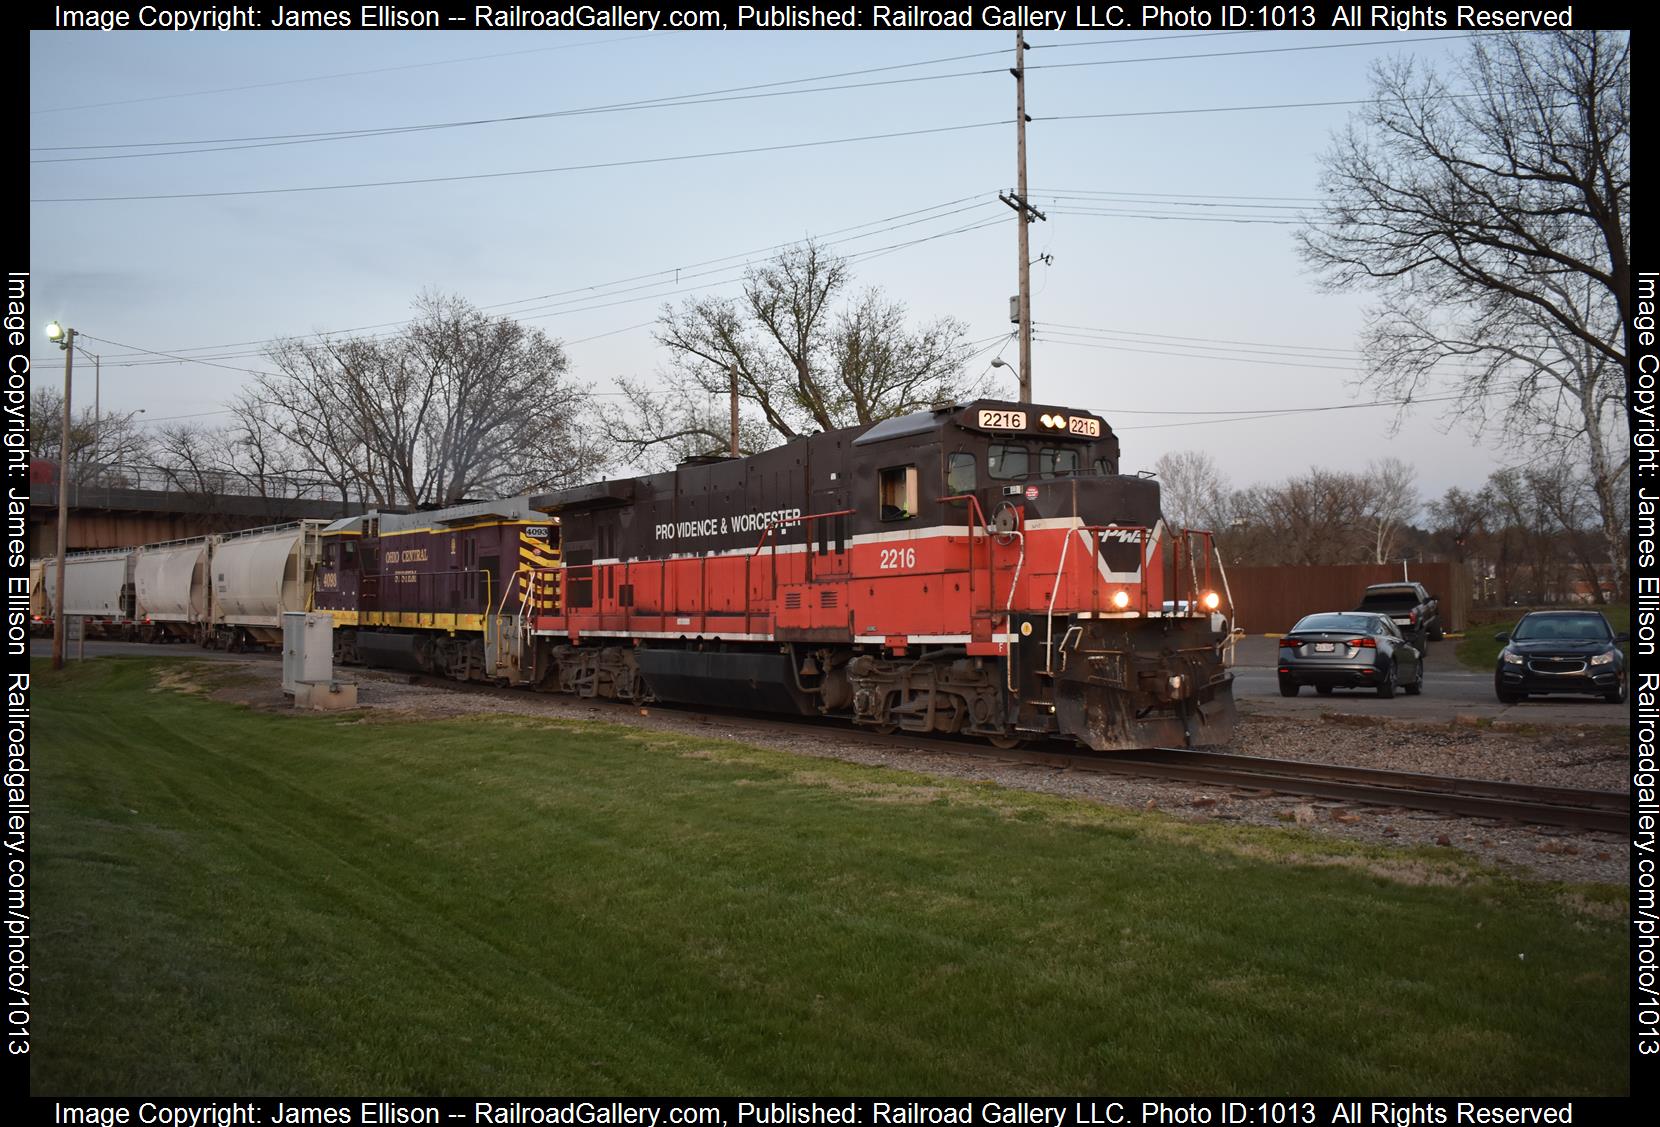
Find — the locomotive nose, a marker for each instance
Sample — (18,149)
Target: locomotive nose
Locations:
(1096,499)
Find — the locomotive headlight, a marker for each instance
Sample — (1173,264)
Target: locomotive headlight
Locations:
(1210,600)
(1120,599)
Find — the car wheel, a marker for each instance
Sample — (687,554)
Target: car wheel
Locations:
(1617,696)
(1288,687)
(1510,698)
(1386,688)
(1323,690)
(1417,686)
(1439,635)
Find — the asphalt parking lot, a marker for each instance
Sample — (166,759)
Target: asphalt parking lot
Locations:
(1450,690)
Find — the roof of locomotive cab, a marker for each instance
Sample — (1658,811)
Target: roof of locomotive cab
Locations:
(967,417)
(512,508)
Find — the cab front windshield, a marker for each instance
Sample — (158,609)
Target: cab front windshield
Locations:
(1013,461)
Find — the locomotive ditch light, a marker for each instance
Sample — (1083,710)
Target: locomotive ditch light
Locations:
(1210,600)
(1120,599)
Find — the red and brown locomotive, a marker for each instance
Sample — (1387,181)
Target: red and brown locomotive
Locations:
(982,569)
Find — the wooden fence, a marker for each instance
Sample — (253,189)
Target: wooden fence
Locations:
(1269,600)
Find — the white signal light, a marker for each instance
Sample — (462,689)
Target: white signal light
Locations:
(1210,600)
(1120,599)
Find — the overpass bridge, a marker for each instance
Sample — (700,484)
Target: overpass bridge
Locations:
(140,506)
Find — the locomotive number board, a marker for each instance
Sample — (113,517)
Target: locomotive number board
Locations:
(1003,420)
(1081,425)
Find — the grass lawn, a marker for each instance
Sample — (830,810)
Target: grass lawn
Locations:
(229,901)
(1478,650)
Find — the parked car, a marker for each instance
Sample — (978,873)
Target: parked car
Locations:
(1561,651)
(1349,649)
(1409,606)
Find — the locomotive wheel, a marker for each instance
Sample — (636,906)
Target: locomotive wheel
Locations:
(1009,742)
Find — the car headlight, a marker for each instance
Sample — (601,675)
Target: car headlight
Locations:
(1510,659)
(1603,658)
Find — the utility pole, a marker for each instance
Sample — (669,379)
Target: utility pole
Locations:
(97,396)
(1018,202)
(59,619)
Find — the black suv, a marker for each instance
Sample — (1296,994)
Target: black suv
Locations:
(1561,651)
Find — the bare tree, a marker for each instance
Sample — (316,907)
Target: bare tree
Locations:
(805,360)
(1493,222)
(457,405)
(100,445)
(1393,504)
(1459,518)
(1192,490)
(1319,518)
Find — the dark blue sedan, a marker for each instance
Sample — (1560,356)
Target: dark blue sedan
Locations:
(1349,650)
(1561,651)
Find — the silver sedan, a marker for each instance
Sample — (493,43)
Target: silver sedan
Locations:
(1349,650)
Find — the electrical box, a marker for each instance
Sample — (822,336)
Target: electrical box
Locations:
(307,649)
(1014,310)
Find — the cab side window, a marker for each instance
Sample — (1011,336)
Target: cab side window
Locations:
(1006,461)
(897,493)
(960,476)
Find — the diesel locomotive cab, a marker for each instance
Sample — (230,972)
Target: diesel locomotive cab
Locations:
(1111,598)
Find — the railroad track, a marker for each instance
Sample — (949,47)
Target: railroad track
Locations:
(1601,811)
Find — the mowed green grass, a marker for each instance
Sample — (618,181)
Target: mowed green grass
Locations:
(231,901)
(1479,649)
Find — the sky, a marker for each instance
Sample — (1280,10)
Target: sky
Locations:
(1171,298)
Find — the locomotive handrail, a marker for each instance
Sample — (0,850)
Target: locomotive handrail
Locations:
(804,518)
(984,527)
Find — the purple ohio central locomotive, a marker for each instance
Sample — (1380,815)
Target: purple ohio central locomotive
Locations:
(982,569)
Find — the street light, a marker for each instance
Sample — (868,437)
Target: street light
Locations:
(64,339)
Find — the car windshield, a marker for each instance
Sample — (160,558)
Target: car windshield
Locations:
(1364,623)
(1564,627)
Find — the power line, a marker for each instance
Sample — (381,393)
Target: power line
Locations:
(1208,340)
(1050,338)
(358,135)
(893,222)
(1254,51)
(1246,418)
(345,74)
(667,99)
(1245,220)
(529,171)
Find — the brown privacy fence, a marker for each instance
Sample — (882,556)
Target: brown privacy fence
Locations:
(1269,600)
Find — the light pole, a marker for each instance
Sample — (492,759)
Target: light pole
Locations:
(65,339)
